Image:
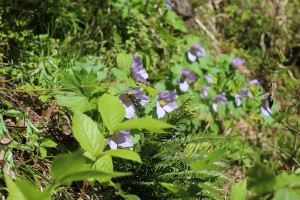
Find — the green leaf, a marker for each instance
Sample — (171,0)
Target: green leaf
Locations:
(208,161)
(91,173)
(73,167)
(175,21)
(75,101)
(23,189)
(149,124)
(67,164)
(239,191)
(261,179)
(124,62)
(43,151)
(48,143)
(104,163)
(112,111)
(176,189)
(87,134)
(286,194)
(124,153)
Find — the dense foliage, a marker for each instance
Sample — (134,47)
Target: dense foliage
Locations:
(149,99)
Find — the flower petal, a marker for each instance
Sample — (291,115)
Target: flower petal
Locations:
(159,111)
(192,57)
(112,144)
(170,107)
(238,100)
(184,86)
(215,106)
(129,112)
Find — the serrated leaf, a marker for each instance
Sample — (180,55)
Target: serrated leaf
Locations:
(112,111)
(239,191)
(74,167)
(75,102)
(124,153)
(124,62)
(86,132)
(66,164)
(149,124)
(104,163)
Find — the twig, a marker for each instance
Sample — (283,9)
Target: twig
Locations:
(285,153)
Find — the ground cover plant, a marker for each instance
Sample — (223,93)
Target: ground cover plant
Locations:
(149,99)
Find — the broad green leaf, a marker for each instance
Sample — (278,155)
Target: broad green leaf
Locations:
(87,134)
(73,167)
(43,151)
(124,62)
(104,163)
(75,102)
(23,189)
(149,124)
(176,189)
(112,111)
(239,191)
(65,165)
(92,173)
(48,143)
(261,179)
(175,21)
(287,194)
(124,153)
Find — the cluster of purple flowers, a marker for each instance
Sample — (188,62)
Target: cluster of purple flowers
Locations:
(165,101)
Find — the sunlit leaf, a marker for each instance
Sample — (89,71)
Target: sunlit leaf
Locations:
(112,111)
(124,153)
(87,134)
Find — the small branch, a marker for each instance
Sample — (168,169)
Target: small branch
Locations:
(82,190)
(285,153)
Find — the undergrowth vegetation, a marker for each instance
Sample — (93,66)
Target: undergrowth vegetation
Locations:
(149,99)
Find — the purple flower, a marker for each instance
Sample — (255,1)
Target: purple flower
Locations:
(165,103)
(121,139)
(266,107)
(204,91)
(169,4)
(208,78)
(186,75)
(236,62)
(253,82)
(195,51)
(124,97)
(137,69)
(220,98)
(244,92)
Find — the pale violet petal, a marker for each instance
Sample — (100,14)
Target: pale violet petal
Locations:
(215,106)
(143,73)
(265,111)
(184,86)
(170,107)
(192,57)
(129,112)
(159,111)
(113,145)
(238,100)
